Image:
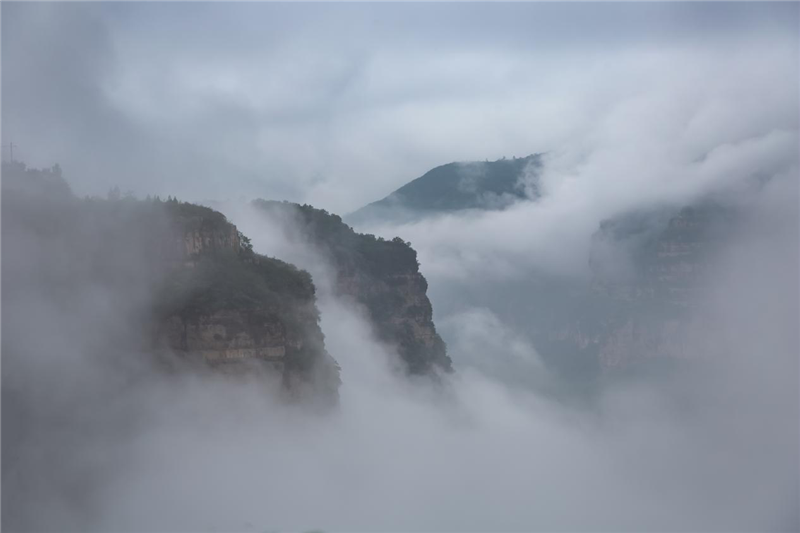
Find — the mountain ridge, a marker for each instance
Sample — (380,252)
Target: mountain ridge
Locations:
(381,275)
(456,186)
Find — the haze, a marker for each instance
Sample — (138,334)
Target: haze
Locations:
(636,108)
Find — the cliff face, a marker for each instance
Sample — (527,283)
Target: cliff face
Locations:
(382,276)
(182,279)
(225,305)
(401,314)
(649,276)
(193,230)
(229,336)
(668,254)
(208,240)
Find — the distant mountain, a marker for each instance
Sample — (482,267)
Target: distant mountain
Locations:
(639,312)
(457,186)
(650,273)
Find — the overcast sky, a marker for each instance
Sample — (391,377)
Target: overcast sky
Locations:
(339,104)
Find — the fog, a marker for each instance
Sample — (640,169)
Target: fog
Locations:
(643,107)
(338,105)
(108,442)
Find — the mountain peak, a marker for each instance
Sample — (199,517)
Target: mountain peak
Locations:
(456,186)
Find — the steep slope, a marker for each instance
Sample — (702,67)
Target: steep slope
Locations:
(650,275)
(456,186)
(228,305)
(381,275)
(642,311)
(199,290)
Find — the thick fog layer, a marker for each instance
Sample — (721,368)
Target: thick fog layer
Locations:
(108,442)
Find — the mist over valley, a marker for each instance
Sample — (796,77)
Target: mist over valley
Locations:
(419,267)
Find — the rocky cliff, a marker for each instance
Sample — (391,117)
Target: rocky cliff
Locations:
(182,279)
(401,314)
(382,276)
(226,305)
(667,253)
(649,276)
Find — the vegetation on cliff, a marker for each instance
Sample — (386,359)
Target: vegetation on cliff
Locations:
(455,186)
(382,275)
(175,258)
(349,250)
(235,280)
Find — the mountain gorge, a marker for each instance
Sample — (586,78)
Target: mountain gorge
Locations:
(639,308)
(214,300)
(211,299)
(157,323)
(199,293)
(399,266)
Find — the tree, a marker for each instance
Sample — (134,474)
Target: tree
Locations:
(114,194)
(245,243)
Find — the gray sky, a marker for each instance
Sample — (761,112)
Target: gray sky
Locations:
(339,104)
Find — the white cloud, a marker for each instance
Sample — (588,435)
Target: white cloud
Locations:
(288,108)
(671,143)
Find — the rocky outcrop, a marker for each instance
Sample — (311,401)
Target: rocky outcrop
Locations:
(194,231)
(401,314)
(649,275)
(192,283)
(198,241)
(225,305)
(668,255)
(230,336)
(381,275)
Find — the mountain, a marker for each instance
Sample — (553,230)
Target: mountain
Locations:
(457,186)
(228,306)
(382,276)
(641,309)
(670,253)
(178,283)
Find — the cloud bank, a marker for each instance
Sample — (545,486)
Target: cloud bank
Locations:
(109,446)
(338,105)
